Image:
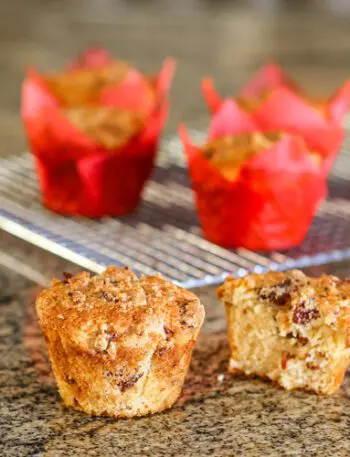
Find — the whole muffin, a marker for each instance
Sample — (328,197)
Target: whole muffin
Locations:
(119,346)
(256,188)
(93,130)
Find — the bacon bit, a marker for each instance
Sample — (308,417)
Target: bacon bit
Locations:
(168,332)
(285,357)
(279,294)
(124,385)
(161,351)
(312,367)
(302,340)
(303,315)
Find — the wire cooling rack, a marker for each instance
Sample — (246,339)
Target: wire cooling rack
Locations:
(164,235)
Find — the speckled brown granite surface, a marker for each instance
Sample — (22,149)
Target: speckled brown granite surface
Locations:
(229,417)
(216,415)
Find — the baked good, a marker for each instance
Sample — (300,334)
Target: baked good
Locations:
(273,101)
(94,130)
(119,346)
(84,85)
(229,153)
(255,188)
(290,328)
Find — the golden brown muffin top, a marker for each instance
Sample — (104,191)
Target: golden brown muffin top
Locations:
(326,297)
(78,91)
(89,312)
(83,85)
(107,126)
(228,153)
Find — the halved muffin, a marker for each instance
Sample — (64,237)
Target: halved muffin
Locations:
(119,346)
(289,328)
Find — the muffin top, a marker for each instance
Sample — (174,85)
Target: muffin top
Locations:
(82,86)
(310,299)
(78,93)
(107,126)
(229,152)
(115,310)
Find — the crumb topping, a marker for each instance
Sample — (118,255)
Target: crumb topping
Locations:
(304,299)
(78,92)
(83,86)
(229,153)
(108,126)
(115,309)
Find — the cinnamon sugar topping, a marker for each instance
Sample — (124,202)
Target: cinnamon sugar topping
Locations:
(83,86)
(228,153)
(108,126)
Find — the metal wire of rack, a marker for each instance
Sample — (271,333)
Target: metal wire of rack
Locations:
(164,235)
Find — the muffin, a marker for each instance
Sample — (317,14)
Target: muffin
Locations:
(254,188)
(276,102)
(93,130)
(119,346)
(289,328)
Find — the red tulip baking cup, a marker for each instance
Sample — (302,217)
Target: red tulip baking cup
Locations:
(78,176)
(271,203)
(267,78)
(281,106)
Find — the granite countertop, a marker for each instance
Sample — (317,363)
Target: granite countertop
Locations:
(214,416)
(229,417)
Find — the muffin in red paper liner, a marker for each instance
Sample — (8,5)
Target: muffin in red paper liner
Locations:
(94,131)
(268,94)
(254,189)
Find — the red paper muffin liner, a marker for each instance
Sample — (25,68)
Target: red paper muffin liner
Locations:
(283,107)
(271,204)
(78,176)
(268,77)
